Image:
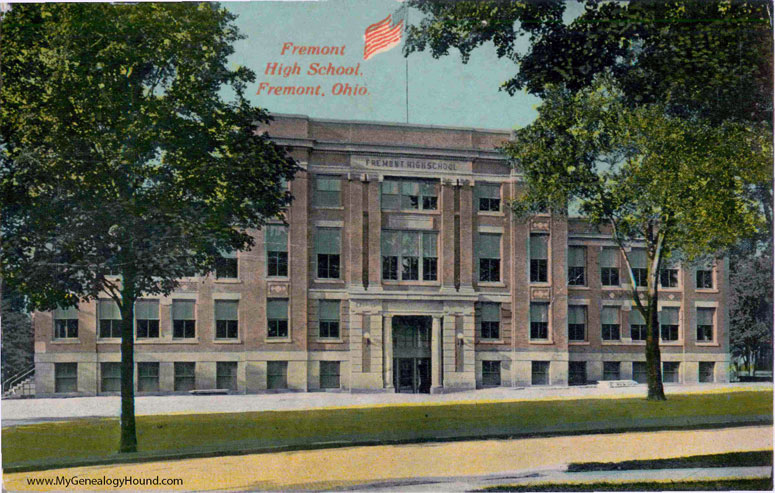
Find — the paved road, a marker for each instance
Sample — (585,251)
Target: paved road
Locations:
(24,411)
(420,467)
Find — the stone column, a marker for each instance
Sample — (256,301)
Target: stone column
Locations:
(447,237)
(387,350)
(436,355)
(375,230)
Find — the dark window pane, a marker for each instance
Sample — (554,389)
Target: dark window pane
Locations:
(329,375)
(609,276)
(704,279)
(641,277)
(185,376)
(277,375)
(540,373)
(611,370)
(277,264)
(226,375)
(429,203)
(610,332)
(638,332)
(110,377)
(489,270)
(409,269)
(147,377)
(491,373)
(390,268)
(576,332)
(65,377)
(429,268)
(538,270)
(669,278)
(706,371)
(490,330)
(577,372)
(576,276)
(639,373)
(539,330)
(670,372)
(226,268)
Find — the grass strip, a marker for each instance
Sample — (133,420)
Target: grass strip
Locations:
(762,484)
(95,441)
(732,459)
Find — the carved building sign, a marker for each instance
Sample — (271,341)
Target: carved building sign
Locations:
(431,166)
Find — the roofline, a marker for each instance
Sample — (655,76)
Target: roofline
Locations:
(392,124)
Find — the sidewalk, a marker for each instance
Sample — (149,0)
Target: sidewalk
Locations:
(26,411)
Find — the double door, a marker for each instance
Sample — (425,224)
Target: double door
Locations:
(412,375)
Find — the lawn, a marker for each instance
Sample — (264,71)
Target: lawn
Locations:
(732,459)
(61,444)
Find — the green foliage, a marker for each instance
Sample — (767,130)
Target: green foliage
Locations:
(751,307)
(711,58)
(636,168)
(119,152)
(17,337)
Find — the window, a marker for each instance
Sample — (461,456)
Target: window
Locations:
(276,250)
(670,371)
(65,377)
(639,263)
(668,323)
(637,326)
(577,372)
(110,319)
(609,318)
(110,377)
(185,376)
(147,319)
(539,321)
(668,277)
(406,248)
(489,252)
(609,267)
(704,276)
(409,195)
(705,324)
(329,374)
(328,314)
(226,266)
(328,244)
(488,196)
(183,319)
(539,251)
(276,375)
(226,320)
(577,266)
(277,318)
(539,374)
(226,375)
(147,377)
(706,371)
(489,320)
(639,372)
(611,370)
(491,373)
(66,323)
(577,322)
(328,191)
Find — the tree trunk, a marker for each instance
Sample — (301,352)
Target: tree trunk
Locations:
(656,391)
(128,432)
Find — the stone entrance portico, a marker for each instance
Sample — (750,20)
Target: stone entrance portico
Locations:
(450,347)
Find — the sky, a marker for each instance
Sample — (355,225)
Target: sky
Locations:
(442,91)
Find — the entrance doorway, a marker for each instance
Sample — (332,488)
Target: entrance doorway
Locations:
(412,354)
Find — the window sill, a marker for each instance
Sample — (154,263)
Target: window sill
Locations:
(612,343)
(328,207)
(413,211)
(278,340)
(277,278)
(540,285)
(489,284)
(148,340)
(227,341)
(227,281)
(583,288)
(329,280)
(183,340)
(491,213)
(72,340)
(676,289)
(611,288)
(706,344)
(109,340)
(411,283)
(578,343)
(671,343)
(491,341)
(545,342)
(323,340)
(707,290)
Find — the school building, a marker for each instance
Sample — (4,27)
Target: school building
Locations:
(401,269)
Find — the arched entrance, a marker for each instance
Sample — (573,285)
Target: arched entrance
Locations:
(412,354)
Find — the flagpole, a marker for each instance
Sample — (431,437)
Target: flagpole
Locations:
(406,59)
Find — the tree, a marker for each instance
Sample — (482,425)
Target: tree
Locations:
(121,153)
(710,58)
(751,307)
(17,337)
(676,184)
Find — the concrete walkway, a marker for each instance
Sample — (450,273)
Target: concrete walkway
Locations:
(25,411)
(441,466)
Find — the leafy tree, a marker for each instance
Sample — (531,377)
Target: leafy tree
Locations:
(17,335)
(751,307)
(121,153)
(643,174)
(711,58)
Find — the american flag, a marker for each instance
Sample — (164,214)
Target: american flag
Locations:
(384,34)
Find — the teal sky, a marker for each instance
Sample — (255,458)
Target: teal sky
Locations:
(441,91)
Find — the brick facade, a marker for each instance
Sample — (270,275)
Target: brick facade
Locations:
(423,333)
